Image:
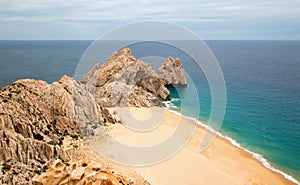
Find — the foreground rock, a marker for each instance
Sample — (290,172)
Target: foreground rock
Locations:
(81,173)
(172,72)
(34,119)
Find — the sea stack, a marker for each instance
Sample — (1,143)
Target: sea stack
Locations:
(172,72)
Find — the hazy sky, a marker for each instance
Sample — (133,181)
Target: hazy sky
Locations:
(211,19)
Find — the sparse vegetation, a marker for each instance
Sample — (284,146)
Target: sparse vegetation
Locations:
(38,136)
(41,161)
(60,141)
(75,136)
(46,132)
(37,172)
(51,143)
(6,167)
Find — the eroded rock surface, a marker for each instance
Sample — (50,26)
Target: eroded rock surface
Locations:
(34,118)
(172,72)
(81,173)
(125,81)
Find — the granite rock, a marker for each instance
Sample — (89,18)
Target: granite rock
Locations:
(172,72)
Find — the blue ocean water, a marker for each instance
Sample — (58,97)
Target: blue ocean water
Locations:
(44,60)
(263,105)
(263,96)
(262,80)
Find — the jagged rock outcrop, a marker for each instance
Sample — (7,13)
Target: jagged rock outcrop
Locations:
(142,75)
(109,115)
(172,72)
(34,118)
(90,74)
(125,81)
(81,173)
(100,75)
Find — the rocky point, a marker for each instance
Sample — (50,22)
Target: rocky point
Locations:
(37,117)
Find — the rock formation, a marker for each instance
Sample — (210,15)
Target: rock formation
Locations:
(172,72)
(34,118)
(81,173)
(125,81)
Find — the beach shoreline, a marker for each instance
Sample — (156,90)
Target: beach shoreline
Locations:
(225,161)
(254,155)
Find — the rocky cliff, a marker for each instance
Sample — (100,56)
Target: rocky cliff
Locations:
(34,119)
(125,81)
(37,117)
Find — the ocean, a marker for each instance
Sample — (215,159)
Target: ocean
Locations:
(262,82)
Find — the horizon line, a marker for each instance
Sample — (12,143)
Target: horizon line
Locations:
(154,40)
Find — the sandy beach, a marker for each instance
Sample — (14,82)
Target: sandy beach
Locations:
(221,163)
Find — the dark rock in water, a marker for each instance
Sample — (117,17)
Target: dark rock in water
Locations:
(172,72)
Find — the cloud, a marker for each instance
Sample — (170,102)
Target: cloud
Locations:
(111,12)
(134,9)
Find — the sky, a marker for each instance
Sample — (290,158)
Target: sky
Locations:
(209,19)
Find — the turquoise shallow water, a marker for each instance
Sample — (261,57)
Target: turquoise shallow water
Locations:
(262,80)
(263,97)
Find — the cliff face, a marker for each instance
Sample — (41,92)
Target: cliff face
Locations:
(125,81)
(172,72)
(34,118)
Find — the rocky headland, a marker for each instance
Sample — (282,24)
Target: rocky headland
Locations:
(42,125)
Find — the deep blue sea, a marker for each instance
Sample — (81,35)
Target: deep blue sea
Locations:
(262,81)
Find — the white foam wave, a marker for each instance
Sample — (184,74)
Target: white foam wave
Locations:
(256,156)
(175,99)
(167,103)
(261,159)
